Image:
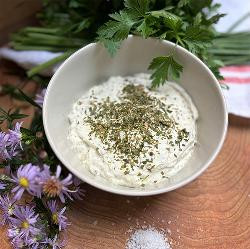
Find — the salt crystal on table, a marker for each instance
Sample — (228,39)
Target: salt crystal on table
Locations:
(148,239)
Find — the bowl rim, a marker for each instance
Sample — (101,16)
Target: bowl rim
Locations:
(138,192)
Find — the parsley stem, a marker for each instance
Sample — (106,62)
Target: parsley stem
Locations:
(179,41)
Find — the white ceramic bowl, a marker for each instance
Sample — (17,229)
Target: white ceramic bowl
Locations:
(92,65)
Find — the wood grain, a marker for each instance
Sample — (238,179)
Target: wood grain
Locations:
(15,14)
(212,212)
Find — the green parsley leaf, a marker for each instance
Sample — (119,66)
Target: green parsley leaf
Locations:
(111,46)
(147,28)
(185,23)
(140,7)
(84,24)
(197,19)
(165,68)
(119,28)
(197,39)
(214,19)
(197,6)
(183,3)
(172,21)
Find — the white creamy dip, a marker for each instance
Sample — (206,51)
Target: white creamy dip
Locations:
(152,162)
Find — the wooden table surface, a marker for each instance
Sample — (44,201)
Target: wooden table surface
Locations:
(212,212)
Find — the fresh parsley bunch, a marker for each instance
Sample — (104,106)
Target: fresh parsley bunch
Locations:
(67,25)
(188,23)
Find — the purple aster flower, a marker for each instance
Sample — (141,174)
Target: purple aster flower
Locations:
(55,243)
(24,222)
(79,192)
(10,143)
(33,243)
(57,215)
(53,186)
(27,179)
(20,242)
(7,206)
(2,186)
(15,137)
(40,97)
(4,143)
(13,232)
(16,242)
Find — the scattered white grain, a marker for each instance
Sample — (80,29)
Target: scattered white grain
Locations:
(148,238)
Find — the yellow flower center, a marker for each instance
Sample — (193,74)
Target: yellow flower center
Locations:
(24,182)
(55,218)
(10,210)
(25,225)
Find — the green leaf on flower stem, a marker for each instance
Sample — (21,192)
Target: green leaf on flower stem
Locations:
(10,116)
(18,116)
(163,67)
(12,91)
(28,99)
(3,115)
(27,136)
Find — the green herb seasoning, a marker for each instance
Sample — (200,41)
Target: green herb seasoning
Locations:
(135,135)
(132,125)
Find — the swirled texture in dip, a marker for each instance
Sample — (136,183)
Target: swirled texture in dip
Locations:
(133,136)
